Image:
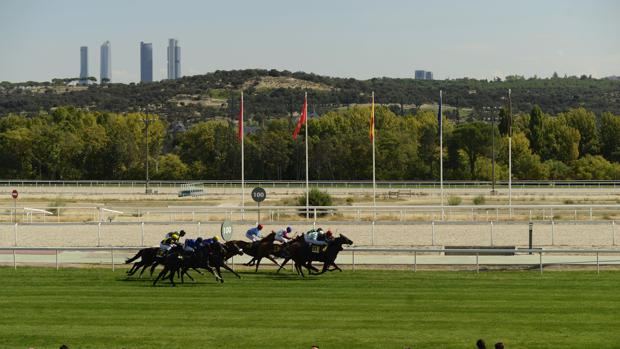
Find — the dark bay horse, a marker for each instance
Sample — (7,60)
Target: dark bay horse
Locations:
(303,256)
(148,257)
(263,248)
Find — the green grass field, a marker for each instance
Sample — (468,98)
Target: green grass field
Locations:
(98,308)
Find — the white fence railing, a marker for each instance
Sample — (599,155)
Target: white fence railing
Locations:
(365,233)
(529,257)
(249,213)
(413,184)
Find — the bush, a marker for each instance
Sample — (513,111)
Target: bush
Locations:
(317,198)
(479,200)
(454,200)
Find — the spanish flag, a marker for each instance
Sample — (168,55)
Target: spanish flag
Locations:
(372,117)
(302,118)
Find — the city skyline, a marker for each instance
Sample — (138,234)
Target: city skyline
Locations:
(360,39)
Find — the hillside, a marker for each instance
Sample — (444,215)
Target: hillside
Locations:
(273,94)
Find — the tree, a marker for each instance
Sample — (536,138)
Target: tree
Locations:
(584,122)
(170,167)
(535,134)
(475,140)
(610,136)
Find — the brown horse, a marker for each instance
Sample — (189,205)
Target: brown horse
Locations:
(263,248)
(303,255)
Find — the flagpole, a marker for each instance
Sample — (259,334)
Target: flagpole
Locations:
(441,151)
(306,141)
(510,154)
(241,133)
(374,183)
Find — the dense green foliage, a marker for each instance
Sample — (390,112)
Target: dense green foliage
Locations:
(97,308)
(69,143)
(180,99)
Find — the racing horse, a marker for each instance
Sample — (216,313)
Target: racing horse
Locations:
(263,248)
(304,255)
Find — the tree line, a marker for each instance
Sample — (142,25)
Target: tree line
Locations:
(71,143)
(473,99)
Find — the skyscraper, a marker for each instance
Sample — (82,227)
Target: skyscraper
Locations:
(146,62)
(174,59)
(420,75)
(106,63)
(429,75)
(83,65)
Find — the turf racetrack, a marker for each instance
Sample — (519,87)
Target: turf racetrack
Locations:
(98,308)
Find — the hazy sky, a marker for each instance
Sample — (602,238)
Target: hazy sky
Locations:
(40,39)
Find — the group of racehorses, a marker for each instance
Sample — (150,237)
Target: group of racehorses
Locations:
(213,257)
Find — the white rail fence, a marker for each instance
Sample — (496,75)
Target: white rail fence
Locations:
(414,257)
(319,184)
(365,233)
(249,213)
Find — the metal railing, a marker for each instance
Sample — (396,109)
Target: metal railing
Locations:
(385,213)
(413,184)
(414,254)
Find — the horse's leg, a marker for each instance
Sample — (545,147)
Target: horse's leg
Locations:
(153,266)
(230,270)
(219,273)
(257,264)
(161,274)
(273,260)
(172,272)
(143,269)
(282,265)
(251,262)
(299,270)
(198,271)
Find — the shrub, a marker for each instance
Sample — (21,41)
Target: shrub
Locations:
(454,200)
(479,200)
(317,198)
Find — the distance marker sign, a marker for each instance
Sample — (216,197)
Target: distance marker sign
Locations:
(259,194)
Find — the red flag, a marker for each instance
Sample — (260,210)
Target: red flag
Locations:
(240,133)
(372,118)
(302,118)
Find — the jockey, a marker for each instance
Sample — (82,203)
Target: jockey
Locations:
(170,240)
(191,245)
(254,233)
(282,235)
(210,241)
(315,237)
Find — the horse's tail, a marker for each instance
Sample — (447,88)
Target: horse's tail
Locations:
(138,255)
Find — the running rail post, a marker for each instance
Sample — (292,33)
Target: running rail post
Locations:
(540,259)
(112,256)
